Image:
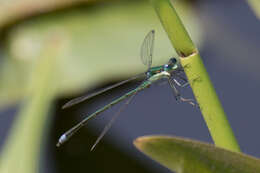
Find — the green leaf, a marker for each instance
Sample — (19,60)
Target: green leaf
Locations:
(255,6)
(189,156)
(14,10)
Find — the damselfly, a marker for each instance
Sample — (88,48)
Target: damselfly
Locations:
(170,71)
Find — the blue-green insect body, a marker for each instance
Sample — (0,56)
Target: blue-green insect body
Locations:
(169,67)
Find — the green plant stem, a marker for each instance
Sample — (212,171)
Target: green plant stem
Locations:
(22,149)
(210,105)
(197,75)
(173,26)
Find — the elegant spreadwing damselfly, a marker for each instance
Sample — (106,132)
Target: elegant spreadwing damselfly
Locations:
(171,71)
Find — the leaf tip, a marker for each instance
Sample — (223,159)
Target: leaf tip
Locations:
(141,141)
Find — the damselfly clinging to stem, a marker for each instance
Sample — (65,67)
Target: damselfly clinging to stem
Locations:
(170,71)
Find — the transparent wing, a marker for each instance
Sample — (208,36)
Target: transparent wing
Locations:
(85,97)
(147,49)
(110,123)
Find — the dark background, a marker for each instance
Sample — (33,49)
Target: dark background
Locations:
(230,52)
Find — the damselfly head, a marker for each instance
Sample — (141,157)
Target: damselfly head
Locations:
(171,65)
(172,61)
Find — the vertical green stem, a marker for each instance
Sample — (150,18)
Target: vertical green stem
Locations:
(198,77)
(21,152)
